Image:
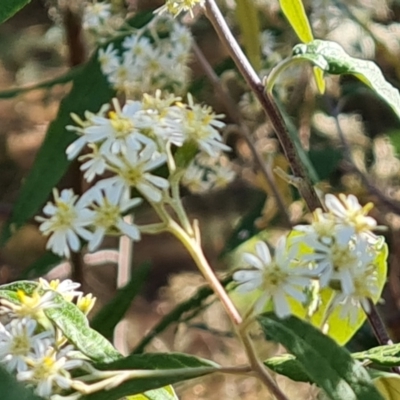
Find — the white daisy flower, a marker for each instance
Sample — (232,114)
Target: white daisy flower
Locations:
(365,287)
(95,165)
(120,131)
(274,277)
(194,179)
(137,47)
(199,124)
(96,14)
(349,211)
(29,306)
(109,203)
(220,176)
(133,171)
(108,59)
(67,219)
(49,371)
(67,288)
(18,341)
(337,260)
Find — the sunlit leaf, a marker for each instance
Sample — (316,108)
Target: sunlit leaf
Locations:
(296,15)
(389,386)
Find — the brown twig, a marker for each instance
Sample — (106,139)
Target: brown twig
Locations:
(305,186)
(234,114)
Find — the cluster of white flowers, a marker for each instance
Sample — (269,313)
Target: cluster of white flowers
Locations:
(150,59)
(338,249)
(31,348)
(207,173)
(130,144)
(175,7)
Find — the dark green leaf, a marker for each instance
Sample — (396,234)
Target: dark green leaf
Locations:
(90,91)
(330,366)
(325,161)
(10,7)
(167,369)
(246,228)
(108,317)
(287,365)
(195,303)
(10,389)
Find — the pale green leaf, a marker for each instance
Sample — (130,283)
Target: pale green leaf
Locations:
(388,386)
(249,23)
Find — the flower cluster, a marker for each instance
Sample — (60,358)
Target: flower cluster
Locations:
(130,144)
(150,59)
(207,173)
(175,7)
(31,347)
(338,249)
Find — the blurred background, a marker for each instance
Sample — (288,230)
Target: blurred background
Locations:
(350,138)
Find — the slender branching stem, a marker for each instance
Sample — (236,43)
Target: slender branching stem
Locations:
(305,187)
(233,112)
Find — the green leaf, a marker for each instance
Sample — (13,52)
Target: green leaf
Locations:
(249,24)
(166,393)
(59,80)
(90,91)
(193,305)
(246,228)
(11,389)
(296,15)
(385,356)
(75,326)
(164,369)
(10,7)
(108,317)
(288,365)
(51,161)
(332,58)
(70,320)
(42,266)
(330,366)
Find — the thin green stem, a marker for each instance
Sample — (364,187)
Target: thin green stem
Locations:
(195,250)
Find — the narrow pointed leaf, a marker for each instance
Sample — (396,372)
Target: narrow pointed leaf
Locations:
(332,58)
(10,7)
(385,356)
(165,369)
(330,366)
(296,15)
